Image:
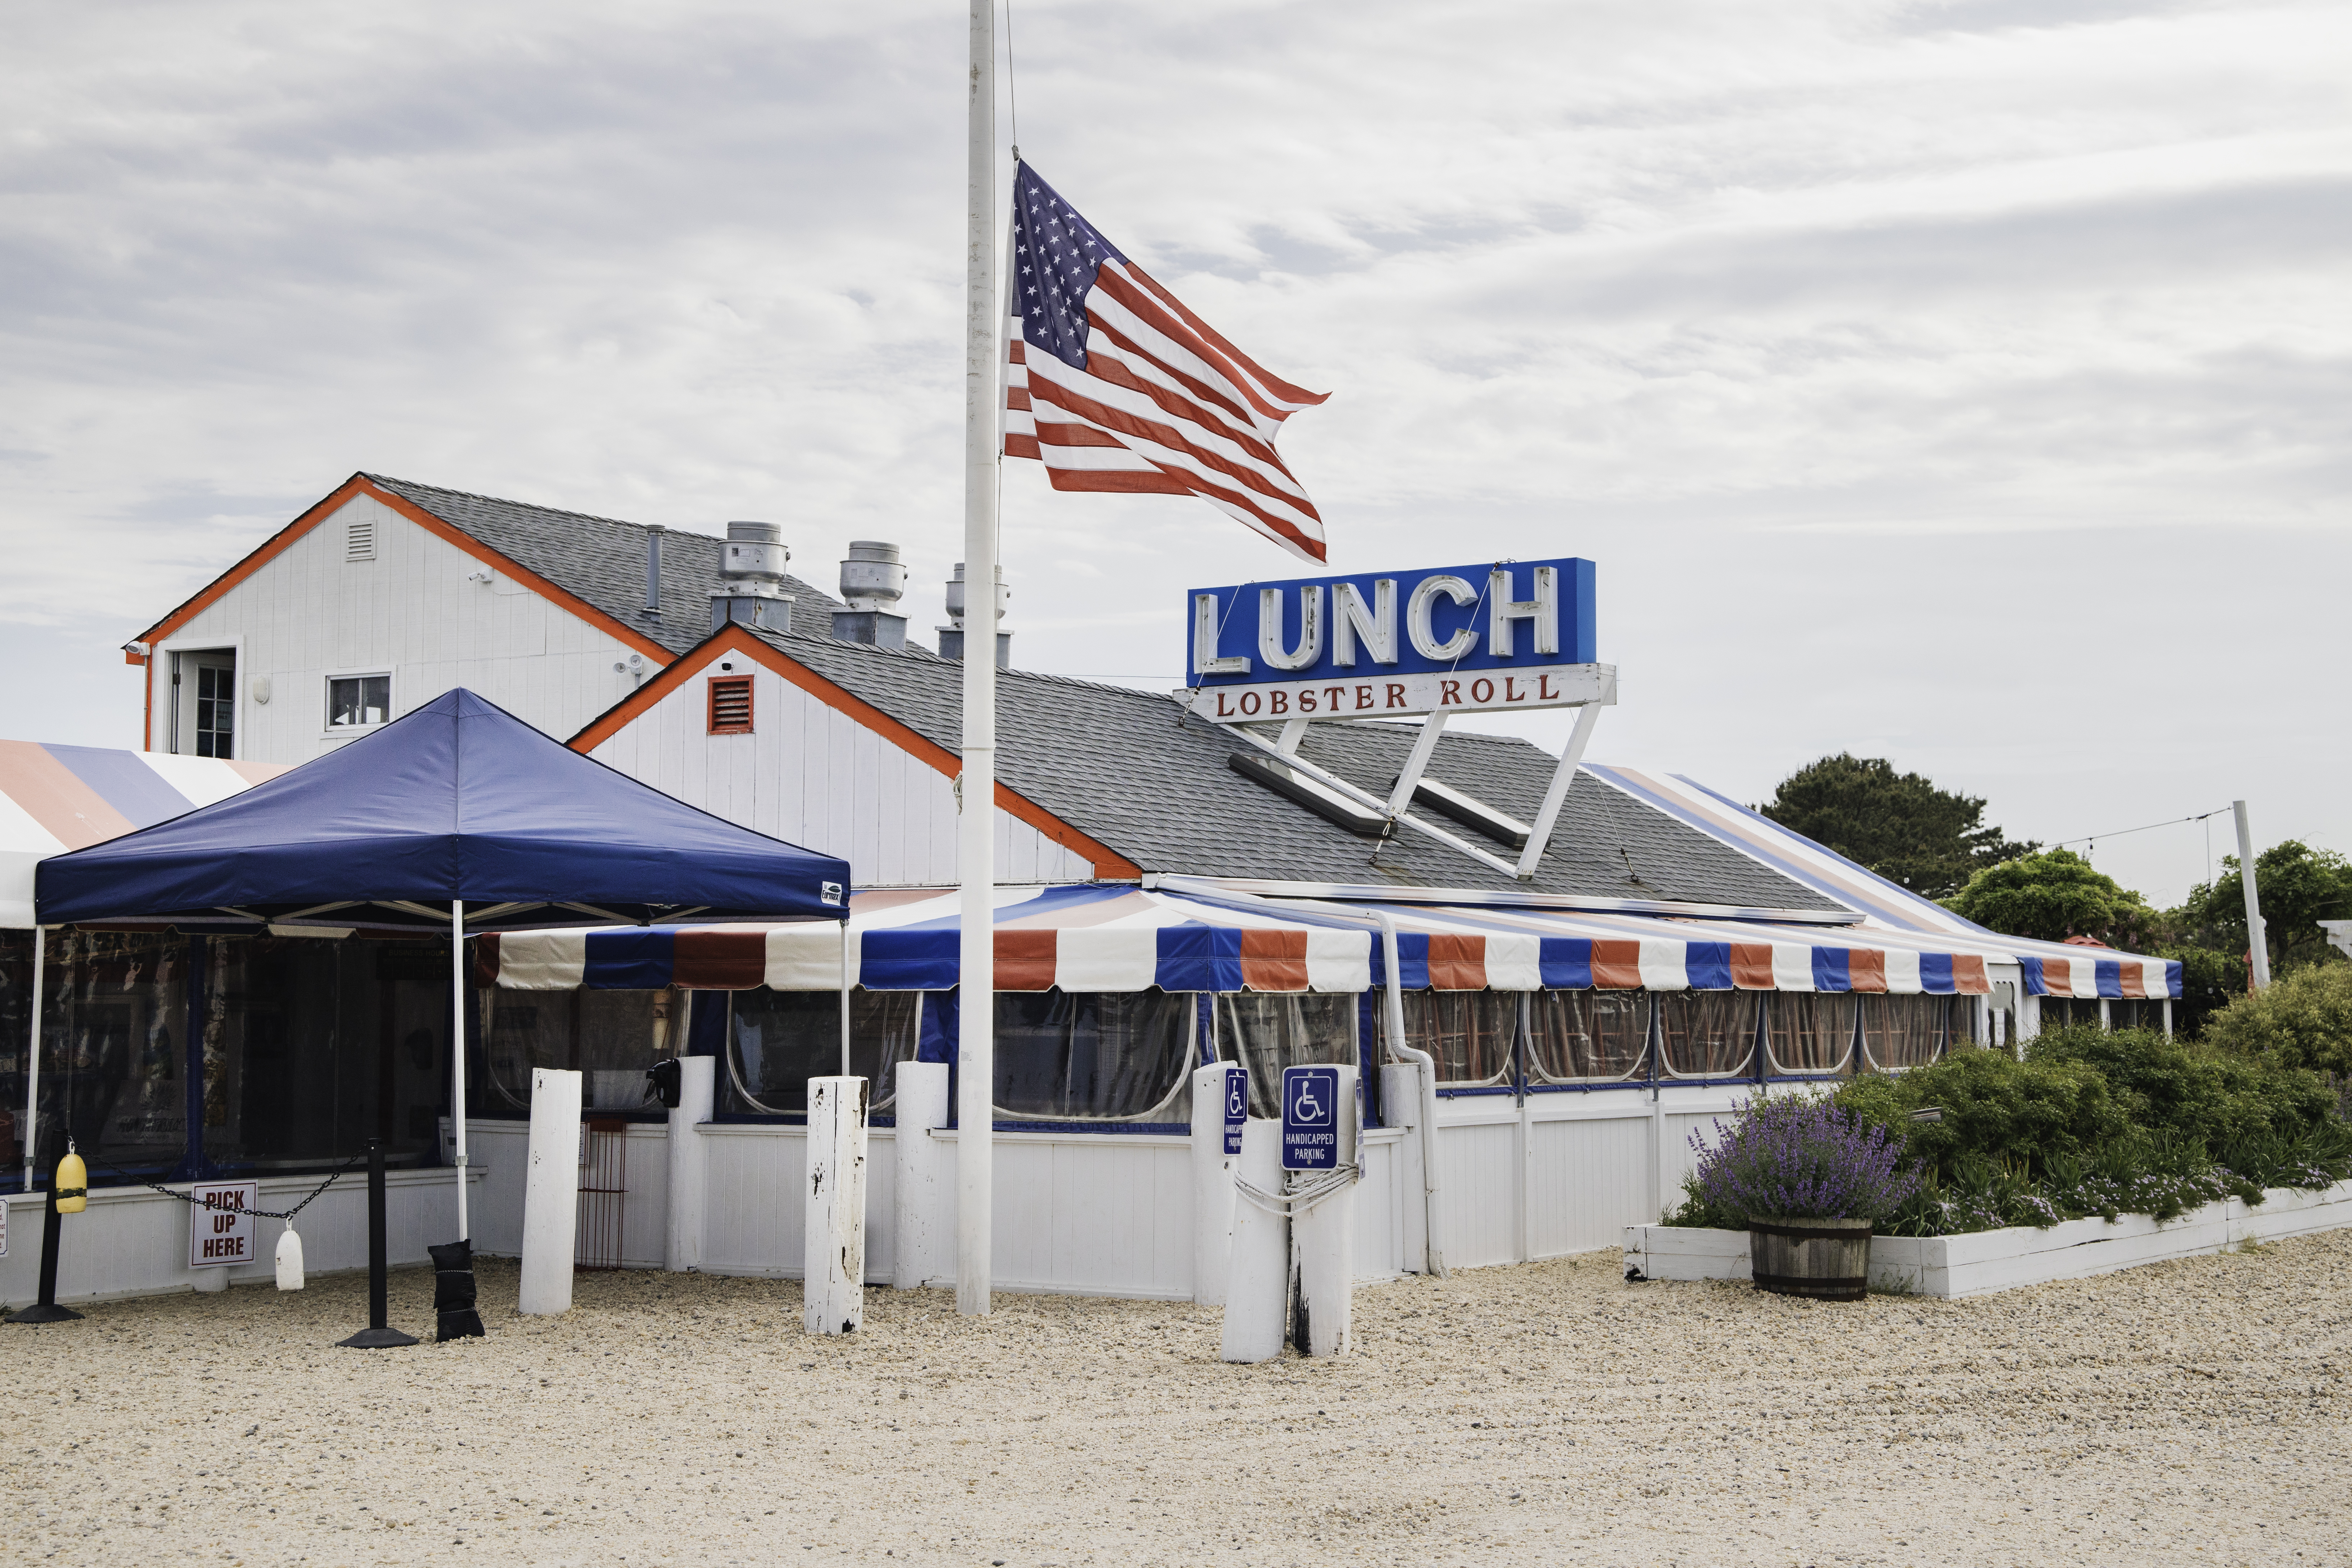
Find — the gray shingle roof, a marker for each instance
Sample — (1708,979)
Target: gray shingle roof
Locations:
(1131,770)
(602,560)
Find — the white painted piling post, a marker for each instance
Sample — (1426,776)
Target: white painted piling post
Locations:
(1213,1181)
(925,1205)
(1323,1240)
(1258,1282)
(690,1163)
(551,1194)
(833,1255)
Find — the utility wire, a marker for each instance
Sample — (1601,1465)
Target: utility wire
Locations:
(2167,822)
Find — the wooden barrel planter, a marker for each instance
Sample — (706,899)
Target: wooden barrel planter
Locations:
(1826,1260)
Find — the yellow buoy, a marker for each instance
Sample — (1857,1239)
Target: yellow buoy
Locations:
(70,1183)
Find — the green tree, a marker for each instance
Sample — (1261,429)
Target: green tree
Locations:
(1899,825)
(2053,895)
(2299,887)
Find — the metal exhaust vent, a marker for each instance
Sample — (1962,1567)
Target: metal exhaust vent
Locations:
(1292,785)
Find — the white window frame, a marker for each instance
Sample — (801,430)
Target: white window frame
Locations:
(327,679)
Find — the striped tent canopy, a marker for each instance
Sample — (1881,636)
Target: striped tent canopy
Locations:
(1889,911)
(56,798)
(1083,938)
(1460,949)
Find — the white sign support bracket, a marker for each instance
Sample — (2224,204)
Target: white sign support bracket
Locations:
(1365,798)
(1570,758)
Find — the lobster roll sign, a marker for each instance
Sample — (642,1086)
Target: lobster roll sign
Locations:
(1386,645)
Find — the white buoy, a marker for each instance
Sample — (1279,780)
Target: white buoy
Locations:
(1213,1182)
(923,1233)
(1257,1280)
(690,1163)
(290,1259)
(551,1194)
(833,1257)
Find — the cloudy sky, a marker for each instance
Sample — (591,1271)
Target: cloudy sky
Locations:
(1965,382)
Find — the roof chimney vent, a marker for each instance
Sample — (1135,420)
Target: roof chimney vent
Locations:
(652,611)
(952,635)
(871,583)
(752,579)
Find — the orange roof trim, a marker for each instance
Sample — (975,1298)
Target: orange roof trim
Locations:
(1108,864)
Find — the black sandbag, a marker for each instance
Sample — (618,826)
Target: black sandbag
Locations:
(460,1323)
(453,1292)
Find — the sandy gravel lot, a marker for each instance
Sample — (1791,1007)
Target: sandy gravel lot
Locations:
(2193,1412)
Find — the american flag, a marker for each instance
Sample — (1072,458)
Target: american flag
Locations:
(1114,386)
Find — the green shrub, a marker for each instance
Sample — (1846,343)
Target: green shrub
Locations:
(2304,1020)
(2194,1092)
(1994,1106)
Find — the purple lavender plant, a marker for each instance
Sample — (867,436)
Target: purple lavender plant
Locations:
(1802,1157)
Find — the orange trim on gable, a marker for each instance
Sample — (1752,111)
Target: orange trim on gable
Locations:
(1108,864)
(359,484)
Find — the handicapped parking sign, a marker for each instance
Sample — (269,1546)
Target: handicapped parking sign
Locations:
(1236,1108)
(1310,1118)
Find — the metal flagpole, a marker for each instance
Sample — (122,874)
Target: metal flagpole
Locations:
(976,853)
(2258,939)
(33,1062)
(457,1052)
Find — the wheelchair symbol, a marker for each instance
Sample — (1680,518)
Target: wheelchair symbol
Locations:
(1236,1097)
(1307,1110)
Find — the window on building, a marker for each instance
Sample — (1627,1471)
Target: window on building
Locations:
(608,1037)
(203,703)
(1900,1032)
(313,1045)
(778,1040)
(1468,1033)
(357,701)
(731,705)
(1268,1031)
(1586,1037)
(1810,1032)
(1098,1055)
(1707,1034)
(113,1046)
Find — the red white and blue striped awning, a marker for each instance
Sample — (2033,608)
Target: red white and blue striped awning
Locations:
(1089,937)
(1098,937)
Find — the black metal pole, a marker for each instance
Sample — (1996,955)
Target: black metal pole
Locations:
(379,1334)
(47,1310)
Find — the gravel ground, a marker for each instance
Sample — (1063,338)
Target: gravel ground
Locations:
(2190,1412)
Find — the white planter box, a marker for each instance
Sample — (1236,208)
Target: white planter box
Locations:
(1989,1260)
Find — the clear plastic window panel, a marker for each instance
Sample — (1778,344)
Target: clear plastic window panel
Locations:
(1266,1032)
(1902,1032)
(1469,1034)
(608,1037)
(1707,1034)
(113,1048)
(1095,1054)
(1586,1037)
(1810,1033)
(778,1040)
(313,1045)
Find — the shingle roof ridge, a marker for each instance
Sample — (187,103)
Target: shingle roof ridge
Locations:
(526,505)
(784,642)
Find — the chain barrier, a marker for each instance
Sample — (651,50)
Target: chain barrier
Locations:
(190,1199)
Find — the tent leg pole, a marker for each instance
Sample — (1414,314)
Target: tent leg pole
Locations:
(29,1132)
(457,1056)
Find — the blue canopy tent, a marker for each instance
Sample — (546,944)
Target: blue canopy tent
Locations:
(459,815)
